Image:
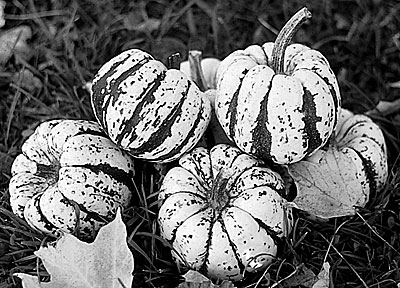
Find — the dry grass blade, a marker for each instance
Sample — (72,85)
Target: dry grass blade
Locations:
(347,262)
(373,230)
(41,14)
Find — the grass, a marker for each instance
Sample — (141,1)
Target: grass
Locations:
(72,39)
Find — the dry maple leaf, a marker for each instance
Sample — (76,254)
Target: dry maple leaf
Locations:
(107,262)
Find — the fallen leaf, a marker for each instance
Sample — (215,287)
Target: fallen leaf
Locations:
(194,279)
(13,42)
(323,277)
(2,20)
(327,185)
(107,262)
(302,276)
(305,277)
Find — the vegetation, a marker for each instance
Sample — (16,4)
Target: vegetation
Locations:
(71,39)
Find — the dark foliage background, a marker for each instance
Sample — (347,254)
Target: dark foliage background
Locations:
(72,39)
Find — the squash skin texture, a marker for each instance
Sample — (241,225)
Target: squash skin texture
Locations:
(358,137)
(229,231)
(70,176)
(154,113)
(278,117)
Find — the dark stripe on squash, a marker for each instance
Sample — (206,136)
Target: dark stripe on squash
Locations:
(237,177)
(25,185)
(232,109)
(91,132)
(262,137)
(203,267)
(114,172)
(267,60)
(178,148)
(199,170)
(269,231)
(98,97)
(267,228)
(257,173)
(42,166)
(334,96)
(183,221)
(227,149)
(331,89)
(233,246)
(202,197)
(91,215)
(310,119)
(106,196)
(43,219)
(370,172)
(346,133)
(42,151)
(146,97)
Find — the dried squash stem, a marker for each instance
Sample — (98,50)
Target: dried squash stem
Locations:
(284,38)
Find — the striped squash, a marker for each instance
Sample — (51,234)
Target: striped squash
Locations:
(360,139)
(278,101)
(154,113)
(223,211)
(203,72)
(70,177)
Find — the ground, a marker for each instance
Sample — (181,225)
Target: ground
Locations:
(69,42)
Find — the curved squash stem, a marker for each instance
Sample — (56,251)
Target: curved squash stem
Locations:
(174,61)
(196,71)
(285,36)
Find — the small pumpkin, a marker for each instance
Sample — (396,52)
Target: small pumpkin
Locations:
(278,101)
(362,140)
(154,113)
(203,72)
(343,175)
(223,212)
(70,177)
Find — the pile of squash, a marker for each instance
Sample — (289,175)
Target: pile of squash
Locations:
(224,206)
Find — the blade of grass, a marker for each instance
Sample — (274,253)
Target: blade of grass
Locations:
(347,262)
(373,230)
